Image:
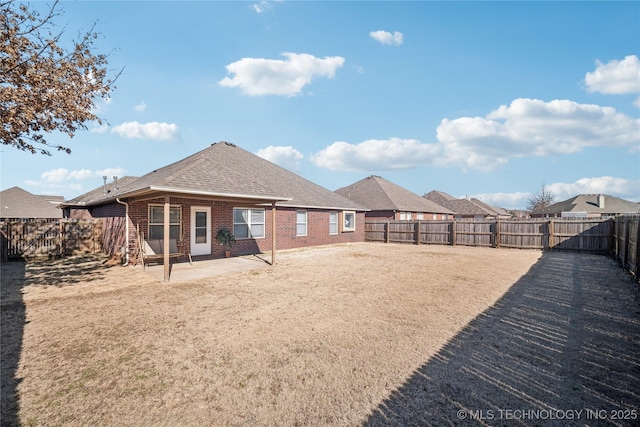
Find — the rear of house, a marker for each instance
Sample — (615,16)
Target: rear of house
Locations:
(223,186)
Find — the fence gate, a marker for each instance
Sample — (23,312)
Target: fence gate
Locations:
(42,238)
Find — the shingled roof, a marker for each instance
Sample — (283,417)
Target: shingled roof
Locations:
(18,203)
(589,203)
(471,206)
(378,194)
(226,171)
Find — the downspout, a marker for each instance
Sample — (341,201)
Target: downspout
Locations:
(126,219)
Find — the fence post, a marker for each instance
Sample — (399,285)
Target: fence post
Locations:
(552,239)
(453,233)
(637,261)
(496,234)
(386,232)
(417,232)
(627,242)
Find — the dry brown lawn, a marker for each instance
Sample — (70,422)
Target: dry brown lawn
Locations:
(321,338)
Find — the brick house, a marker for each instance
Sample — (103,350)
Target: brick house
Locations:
(588,206)
(388,201)
(468,207)
(223,186)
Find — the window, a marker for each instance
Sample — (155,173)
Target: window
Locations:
(403,216)
(435,216)
(301,223)
(200,227)
(156,222)
(348,221)
(333,222)
(248,223)
(419,216)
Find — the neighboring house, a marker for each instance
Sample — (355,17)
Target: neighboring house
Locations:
(588,206)
(467,208)
(19,204)
(224,186)
(388,201)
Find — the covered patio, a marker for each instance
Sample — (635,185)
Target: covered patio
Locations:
(186,272)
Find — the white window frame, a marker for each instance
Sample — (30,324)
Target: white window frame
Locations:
(346,227)
(250,223)
(172,224)
(420,216)
(301,214)
(333,223)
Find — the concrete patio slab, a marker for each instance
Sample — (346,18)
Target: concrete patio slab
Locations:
(184,272)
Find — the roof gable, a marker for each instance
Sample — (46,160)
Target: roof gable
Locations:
(376,193)
(18,203)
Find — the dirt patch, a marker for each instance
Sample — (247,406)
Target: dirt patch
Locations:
(329,336)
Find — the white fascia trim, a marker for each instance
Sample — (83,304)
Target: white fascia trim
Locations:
(213,194)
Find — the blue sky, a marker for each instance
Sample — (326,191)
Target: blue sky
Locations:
(486,99)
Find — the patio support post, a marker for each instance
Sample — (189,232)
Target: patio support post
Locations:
(167,229)
(273,233)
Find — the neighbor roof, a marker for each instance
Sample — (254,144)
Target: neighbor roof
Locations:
(589,203)
(226,171)
(18,203)
(465,206)
(378,194)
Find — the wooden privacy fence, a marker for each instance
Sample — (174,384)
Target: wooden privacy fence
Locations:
(626,242)
(578,235)
(40,238)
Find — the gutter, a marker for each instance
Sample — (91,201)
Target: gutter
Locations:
(126,218)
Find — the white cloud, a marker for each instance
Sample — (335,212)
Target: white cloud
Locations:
(287,157)
(100,129)
(259,76)
(628,189)
(141,107)
(55,175)
(526,128)
(376,155)
(615,77)
(531,128)
(619,187)
(517,200)
(151,130)
(59,175)
(385,37)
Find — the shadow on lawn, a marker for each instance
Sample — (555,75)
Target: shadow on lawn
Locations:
(15,277)
(564,339)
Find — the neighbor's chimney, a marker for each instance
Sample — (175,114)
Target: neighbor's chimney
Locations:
(115,183)
(601,201)
(104,185)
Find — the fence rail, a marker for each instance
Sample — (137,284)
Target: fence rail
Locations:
(619,236)
(41,238)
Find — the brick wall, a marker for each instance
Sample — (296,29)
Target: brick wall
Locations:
(222,217)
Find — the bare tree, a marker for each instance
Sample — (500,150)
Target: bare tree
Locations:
(541,199)
(43,86)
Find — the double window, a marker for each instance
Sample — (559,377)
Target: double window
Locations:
(156,222)
(248,223)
